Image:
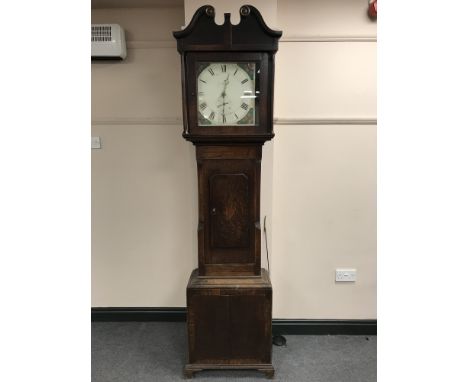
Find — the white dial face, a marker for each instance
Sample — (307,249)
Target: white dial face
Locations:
(226,94)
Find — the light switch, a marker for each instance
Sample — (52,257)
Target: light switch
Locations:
(345,275)
(95,142)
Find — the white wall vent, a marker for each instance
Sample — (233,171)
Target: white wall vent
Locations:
(108,42)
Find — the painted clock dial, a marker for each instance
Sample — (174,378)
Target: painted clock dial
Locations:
(226,93)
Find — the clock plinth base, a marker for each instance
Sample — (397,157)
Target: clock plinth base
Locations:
(229,323)
(191,369)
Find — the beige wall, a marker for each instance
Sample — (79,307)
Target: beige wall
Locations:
(318,175)
(324,166)
(144,178)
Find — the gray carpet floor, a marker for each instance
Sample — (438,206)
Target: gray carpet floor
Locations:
(156,352)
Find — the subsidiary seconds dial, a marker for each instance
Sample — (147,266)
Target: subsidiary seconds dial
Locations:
(226,94)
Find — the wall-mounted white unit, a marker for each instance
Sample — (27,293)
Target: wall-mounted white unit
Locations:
(108,42)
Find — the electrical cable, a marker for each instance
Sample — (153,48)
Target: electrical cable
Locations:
(266,243)
(277,339)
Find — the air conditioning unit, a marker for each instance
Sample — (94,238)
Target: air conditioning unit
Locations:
(108,42)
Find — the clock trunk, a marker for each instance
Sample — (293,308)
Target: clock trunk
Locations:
(229,209)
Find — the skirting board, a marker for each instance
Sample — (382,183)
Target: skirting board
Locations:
(280,326)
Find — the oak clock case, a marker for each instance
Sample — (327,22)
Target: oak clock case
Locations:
(227,93)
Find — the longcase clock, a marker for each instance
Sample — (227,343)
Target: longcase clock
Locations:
(227,89)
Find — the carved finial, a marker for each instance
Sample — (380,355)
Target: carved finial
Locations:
(245,10)
(209,10)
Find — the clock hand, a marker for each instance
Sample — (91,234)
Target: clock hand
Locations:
(226,81)
(224,93)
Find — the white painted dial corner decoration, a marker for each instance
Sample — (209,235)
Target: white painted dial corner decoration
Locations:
(226,93)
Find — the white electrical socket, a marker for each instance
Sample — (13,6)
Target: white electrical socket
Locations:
(95,142)
(345,275)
